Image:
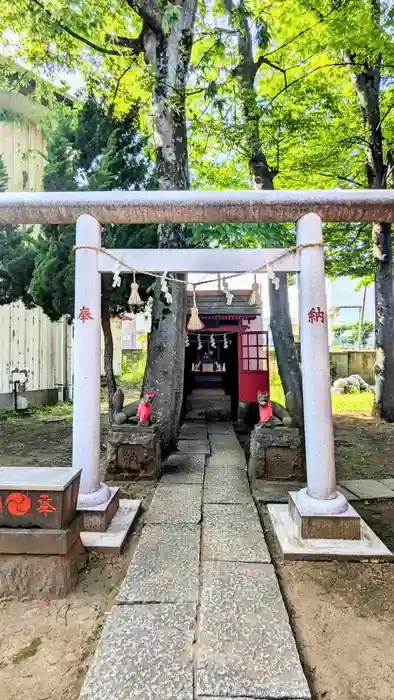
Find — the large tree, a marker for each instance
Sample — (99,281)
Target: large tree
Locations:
(123,50)
(94,151)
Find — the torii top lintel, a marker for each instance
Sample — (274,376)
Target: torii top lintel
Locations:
(196,206)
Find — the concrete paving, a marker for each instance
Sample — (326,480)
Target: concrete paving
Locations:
(245,643)
(183,469)
(165,566)
(197,623)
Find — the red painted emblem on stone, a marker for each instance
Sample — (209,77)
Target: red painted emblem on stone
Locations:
(316,315)
(44,504)
(84,314)
(18,503)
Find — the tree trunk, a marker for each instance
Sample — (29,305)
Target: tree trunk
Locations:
(285,349)
(169,55)
(263,179)
(368,88)
(384,323)
(108,356)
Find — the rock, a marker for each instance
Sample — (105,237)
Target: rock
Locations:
(352,384)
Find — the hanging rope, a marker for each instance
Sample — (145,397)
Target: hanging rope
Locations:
(266,267)
(134,298)
(195,323)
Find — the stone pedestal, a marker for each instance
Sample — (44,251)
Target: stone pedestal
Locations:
(40,531)
(41,575)
(133,452)
(312,525)
(276,453)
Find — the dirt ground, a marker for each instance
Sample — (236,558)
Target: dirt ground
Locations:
(342,613)
(46,646)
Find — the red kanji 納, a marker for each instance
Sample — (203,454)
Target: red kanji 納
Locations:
(84,314)
(316,315)
(44,504)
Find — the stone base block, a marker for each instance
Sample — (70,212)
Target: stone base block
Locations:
(41,576)
(133,452)
(44,497)
(276,453)
(368,548)
(98,518)
(112,541)
(38,541)
(343,526)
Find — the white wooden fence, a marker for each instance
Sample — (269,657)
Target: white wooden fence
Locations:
(30,341)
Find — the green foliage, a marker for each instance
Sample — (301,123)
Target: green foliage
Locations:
(351,331)
(171,15)
(133,371)
(17,254)
(98,152)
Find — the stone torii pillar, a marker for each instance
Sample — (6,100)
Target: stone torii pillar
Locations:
(321,495)
(87,365)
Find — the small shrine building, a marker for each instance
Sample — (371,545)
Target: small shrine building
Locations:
(227,361)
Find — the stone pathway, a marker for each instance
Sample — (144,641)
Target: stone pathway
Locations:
(199,615)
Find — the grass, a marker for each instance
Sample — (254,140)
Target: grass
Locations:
(60,411)
(361,403)
(133,374)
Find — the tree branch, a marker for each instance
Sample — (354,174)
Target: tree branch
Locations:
(335,7)
(263,60)
(350,180)
(126,70)
(149,13)
(302,77)
(136,44)
(78,37)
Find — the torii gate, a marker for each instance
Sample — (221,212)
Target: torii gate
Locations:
(321,497)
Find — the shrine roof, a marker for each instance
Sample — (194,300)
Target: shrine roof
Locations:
(213,303)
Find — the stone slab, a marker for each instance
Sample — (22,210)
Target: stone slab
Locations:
(227,458)
(113,540)
(368,488)
(39,541)
(233,533)
(225,490)
(183,469)
(193,447)
(145,653)
(246,646)
(278,491)
(98,518)
(220,429)
(189,431)
(368,548)
(177,503)
(165,566)
(36,478)
(32,576)
(275,491)
(312,525)
(387,482)
(348,494)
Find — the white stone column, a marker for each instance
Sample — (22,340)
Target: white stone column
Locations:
(87,338)
(321,495)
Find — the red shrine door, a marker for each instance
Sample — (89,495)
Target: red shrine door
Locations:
(253,365)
